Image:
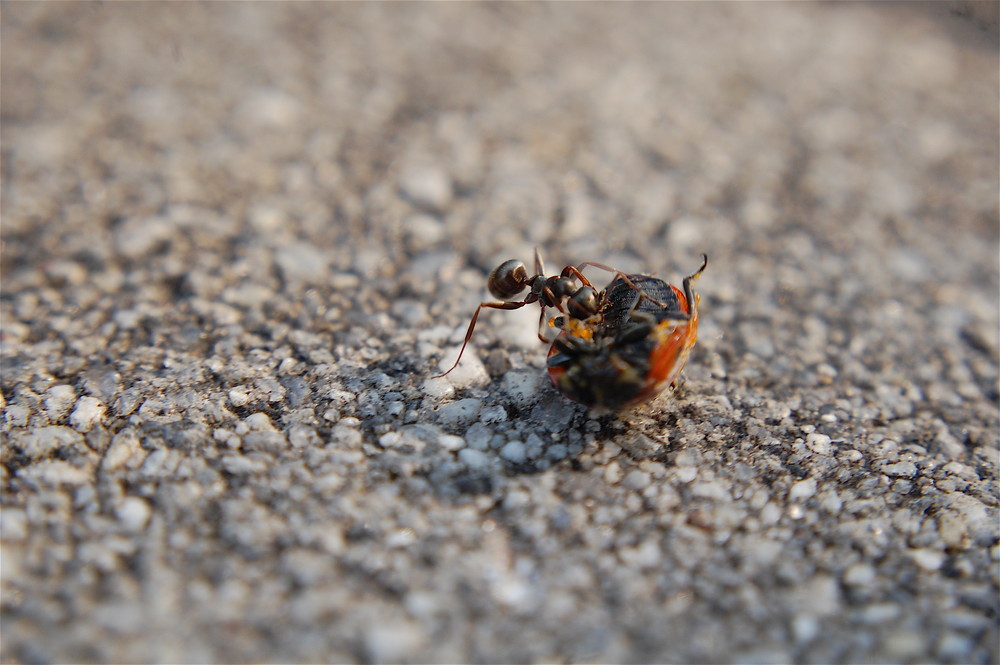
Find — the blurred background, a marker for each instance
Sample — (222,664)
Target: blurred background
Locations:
(199,197)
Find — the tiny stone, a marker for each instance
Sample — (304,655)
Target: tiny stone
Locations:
(302,262)
(804,628)
(818,443)
(346,436)
(88,412)
(264,440)
(42,441)
(906,644)
(58,400)
(880,613)
(952,646)
(686,474)
(514,452)
(451,442)
(636,480)
(392,642)
(900,469)
(427,187)
(238,397)
(16,415)
(859,574)
(474,459)
(929,560)
(302,436)
(493,414)
(802,490)
(411,312)
(240,465)
(123,445)
(469,373)
(520,386)
(134,513)
(556,451)
(258,422)
(13,524)
(462,412)
(54,473)
(478,436)
(439,388)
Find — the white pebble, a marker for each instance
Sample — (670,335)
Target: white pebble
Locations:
(860,574)
(451,442)
(302,262)
(929,560)
(802,490)
(258,422)
(493,414)
(462,412)
(42,441)
(13,524)
(58,400)
(122,447)
(238,397)
(819,443)
(438,388)
(805,627)
(900,469)
(470,371)
(636,480)
(521,386)
(426,186)
(513,452)
(88,412)
(392,642)
(134,513)
(474,459)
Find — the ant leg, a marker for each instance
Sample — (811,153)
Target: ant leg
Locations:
(569,271)
(539,264)
(620,275)
(688,293)
(472,326)
(542,326)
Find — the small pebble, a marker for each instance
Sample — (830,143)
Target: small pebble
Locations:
(426,186)
(514,452)
(88,412)
(802,490)
(462,412)
(58,400)
(134,513)
(474,459)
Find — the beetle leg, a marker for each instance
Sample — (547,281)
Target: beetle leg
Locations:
(688,293)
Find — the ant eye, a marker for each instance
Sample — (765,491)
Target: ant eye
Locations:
(508,279)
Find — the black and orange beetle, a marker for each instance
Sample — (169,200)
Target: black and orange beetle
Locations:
(616,348)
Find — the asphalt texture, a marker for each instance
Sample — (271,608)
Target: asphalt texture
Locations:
(238,240)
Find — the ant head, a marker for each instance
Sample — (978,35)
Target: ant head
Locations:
(508,279)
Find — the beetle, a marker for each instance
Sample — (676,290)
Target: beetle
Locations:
(615,348)
(634,348)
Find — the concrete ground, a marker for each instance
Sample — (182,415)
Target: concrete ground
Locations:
(239,239)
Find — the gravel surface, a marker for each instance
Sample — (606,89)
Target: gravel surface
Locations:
(239,239)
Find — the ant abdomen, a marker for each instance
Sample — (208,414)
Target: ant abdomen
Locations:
(508,279)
